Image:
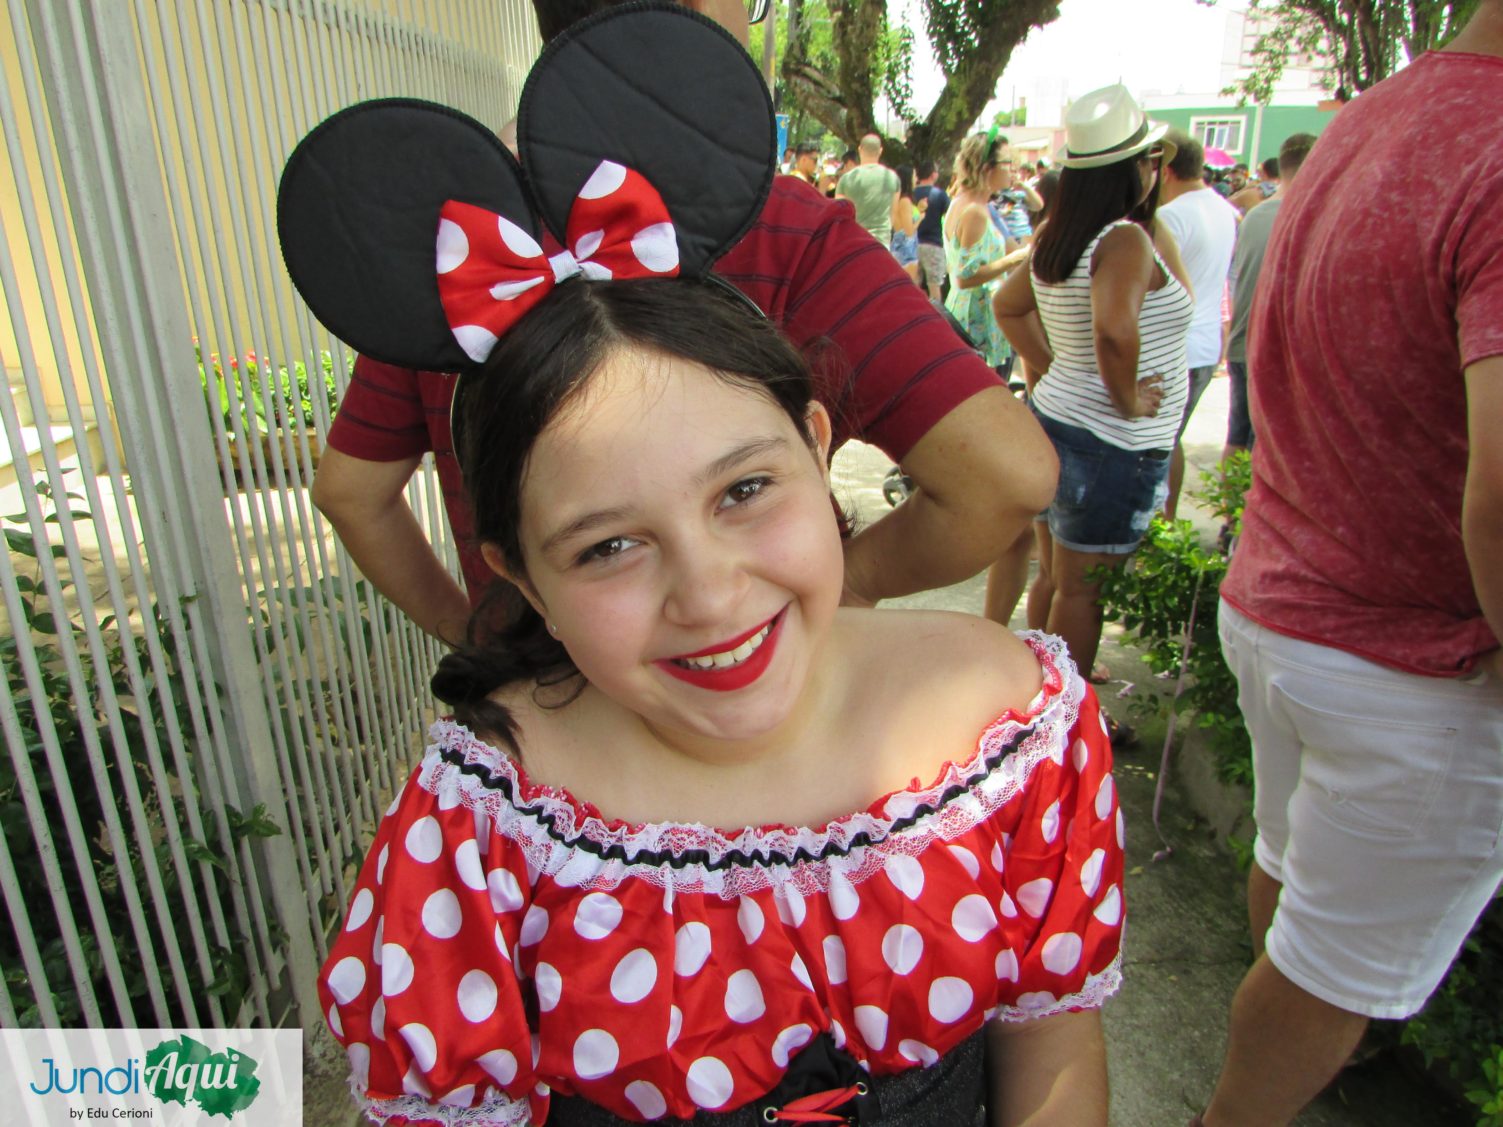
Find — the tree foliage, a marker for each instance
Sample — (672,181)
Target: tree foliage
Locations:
(842,54)
(1363,40)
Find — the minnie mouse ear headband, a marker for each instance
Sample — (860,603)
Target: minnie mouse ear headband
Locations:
(647,149)
(1106,126)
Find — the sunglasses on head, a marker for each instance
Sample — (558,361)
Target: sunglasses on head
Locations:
(1154,153)
(756,10)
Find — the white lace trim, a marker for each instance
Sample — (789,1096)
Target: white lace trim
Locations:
(496,1110)
(548,824)
(1092,995)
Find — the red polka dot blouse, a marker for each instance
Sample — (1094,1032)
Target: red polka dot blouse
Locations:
(506,941)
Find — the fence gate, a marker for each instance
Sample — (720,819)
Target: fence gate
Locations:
(204,706)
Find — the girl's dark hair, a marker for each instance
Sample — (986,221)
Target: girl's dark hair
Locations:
(1088,199)
(905,180)
(535,370)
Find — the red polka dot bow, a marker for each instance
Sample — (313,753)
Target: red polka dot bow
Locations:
(491,272)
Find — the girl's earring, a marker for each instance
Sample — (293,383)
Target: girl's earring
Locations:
(552,629)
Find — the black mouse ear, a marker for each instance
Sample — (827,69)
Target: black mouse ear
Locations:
(667,94)
(358,215)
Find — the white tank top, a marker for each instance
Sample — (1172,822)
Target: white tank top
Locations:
(1072,390)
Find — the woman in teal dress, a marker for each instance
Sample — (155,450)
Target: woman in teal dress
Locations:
(977,254)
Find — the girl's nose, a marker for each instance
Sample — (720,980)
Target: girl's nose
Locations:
(706,584)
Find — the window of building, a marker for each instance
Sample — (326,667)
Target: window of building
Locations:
(1223,133)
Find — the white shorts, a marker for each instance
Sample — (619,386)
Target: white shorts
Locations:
(1379,804)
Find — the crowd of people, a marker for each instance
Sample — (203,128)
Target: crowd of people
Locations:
(709,838)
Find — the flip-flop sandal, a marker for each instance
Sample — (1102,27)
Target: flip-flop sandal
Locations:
(1099,674)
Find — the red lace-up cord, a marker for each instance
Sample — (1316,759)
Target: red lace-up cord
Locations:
(817,1108)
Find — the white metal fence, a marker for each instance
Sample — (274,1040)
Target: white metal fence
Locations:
(202,705)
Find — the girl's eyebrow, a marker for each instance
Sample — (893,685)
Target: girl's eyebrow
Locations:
(727,462)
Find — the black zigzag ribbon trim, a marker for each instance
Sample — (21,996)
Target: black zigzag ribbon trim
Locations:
(735,858)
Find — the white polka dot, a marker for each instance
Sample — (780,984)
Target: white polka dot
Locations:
(378,1019)
(500,1064)
(790,905)
(510,291)
(907,874)
(1109,911)
(396,969)
(588,244)
(448,796)
(656,248)
(646,1099)
(596,271)
(596,1054)
(750,919)
(534,926)
(1121,830)
(967,860)
(335,1024)
(743,998)
(467,865)
(597,916)
(837,1033)
(834,959)
(518,241)
(414,1084)
(477,996)
(360,1064)
(453,249)
(506,894)
(710,1083)
(786,1043)
(347,979)
(1101,720)
(1007,907)
(381,863)
(973,918)
(675,1024)
(1034,896)
(902,948)
(420,1040)
(536,1044)
(1090,872)
(634,977)
(691,947)
(950,999)
(871,1023)
(396,800)
(360,910)
(476,340)
(442,916)
(801,971)
(1007,965)
(1080,755)
(997,860)
(1049,824)
(550,986)
(1104,797)
(918,1052)
(459,1097)
(607,177)
(1062,952)
(844,901)
(1036,1000)
(500,937)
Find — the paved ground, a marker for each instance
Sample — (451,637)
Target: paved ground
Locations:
(1187,946)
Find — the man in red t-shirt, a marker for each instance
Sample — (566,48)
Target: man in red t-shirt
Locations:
(1364,604)
(887,366)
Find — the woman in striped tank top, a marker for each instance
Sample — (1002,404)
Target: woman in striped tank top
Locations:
(1103,311)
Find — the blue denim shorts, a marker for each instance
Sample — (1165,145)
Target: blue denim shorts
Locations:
(1107,496)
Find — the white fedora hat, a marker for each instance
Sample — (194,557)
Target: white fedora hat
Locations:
(1106,126)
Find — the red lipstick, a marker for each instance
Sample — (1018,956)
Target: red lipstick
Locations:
(730,678)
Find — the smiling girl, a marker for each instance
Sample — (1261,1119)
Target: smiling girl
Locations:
(698,845)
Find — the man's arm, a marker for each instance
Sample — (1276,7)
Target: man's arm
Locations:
(1482,502)
(980,475)
(366,503)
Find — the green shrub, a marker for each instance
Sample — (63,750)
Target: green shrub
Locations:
(252,401)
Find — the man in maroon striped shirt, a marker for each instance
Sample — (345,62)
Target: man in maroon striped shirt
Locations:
(887,366)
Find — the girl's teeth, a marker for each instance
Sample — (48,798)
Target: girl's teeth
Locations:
(730,657)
